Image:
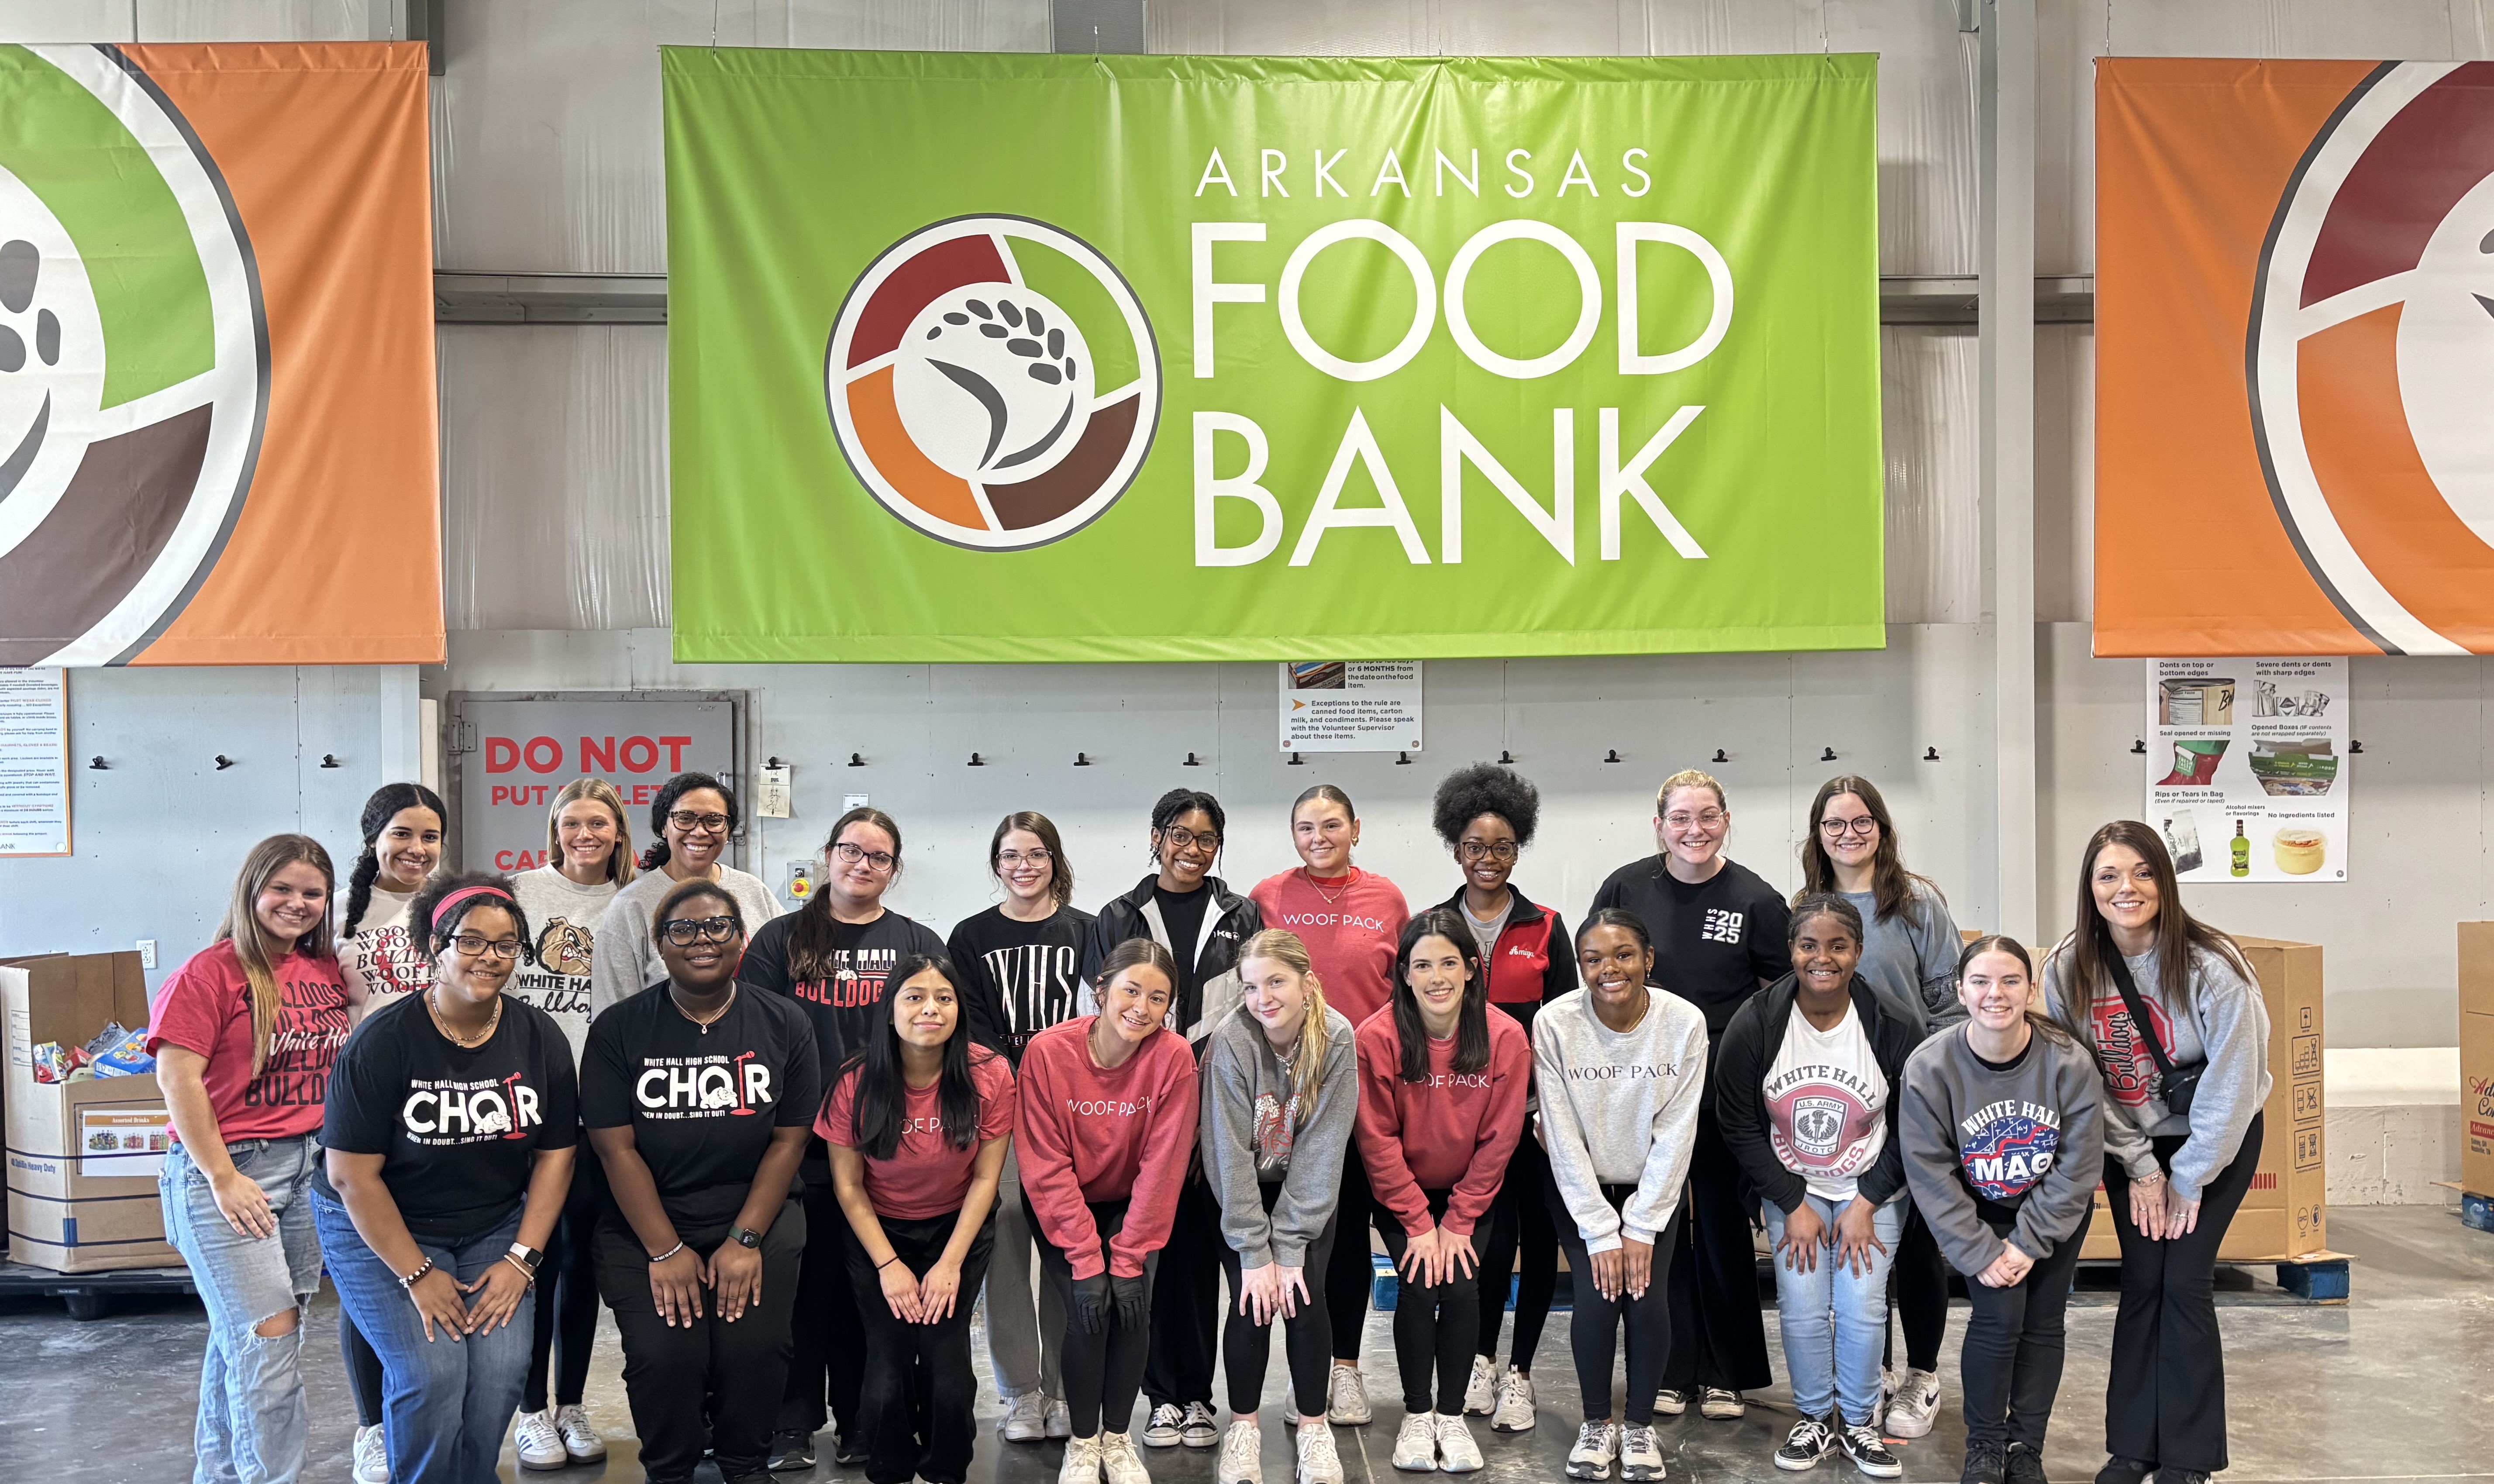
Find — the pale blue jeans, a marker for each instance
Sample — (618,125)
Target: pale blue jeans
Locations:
(1834,1319)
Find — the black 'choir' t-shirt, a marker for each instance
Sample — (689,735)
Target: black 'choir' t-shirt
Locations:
(1715,942)
(457,1128)
(1023,976)
(701,1104)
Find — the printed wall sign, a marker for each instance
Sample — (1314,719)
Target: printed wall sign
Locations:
(1353,706)
(2248,766)
(2295,333)
(995,358)
(217,421)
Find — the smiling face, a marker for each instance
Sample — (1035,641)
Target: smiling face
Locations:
(1276,994)
(1322,833)
(409,848)
(1438,973)
(2125,890)
(1487,850)
(1824,954)
(291,902)
(495,935)
(1134,1001)
(859,865)
(587,829)
(697,829)
(1025,866)
(1187,846)
(708,963)
(1995,990)
(1613,963)
(1692,825)
(1848,831)
(924,1010)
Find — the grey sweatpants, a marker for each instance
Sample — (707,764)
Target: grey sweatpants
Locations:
(1024,1351)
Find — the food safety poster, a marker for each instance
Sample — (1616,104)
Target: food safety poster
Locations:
(2247,767)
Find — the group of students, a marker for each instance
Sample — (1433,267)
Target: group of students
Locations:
(819,1136)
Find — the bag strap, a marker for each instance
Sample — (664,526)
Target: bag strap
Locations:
(2139,1020)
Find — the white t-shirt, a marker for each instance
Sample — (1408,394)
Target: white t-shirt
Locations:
(382,961)
(1827,1104)
(562,920)
(628,962)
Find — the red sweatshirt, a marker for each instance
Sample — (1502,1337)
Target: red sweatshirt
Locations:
(1452,1132)
(1349,925)
(1093,1136)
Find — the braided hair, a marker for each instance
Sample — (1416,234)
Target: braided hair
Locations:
(387,802)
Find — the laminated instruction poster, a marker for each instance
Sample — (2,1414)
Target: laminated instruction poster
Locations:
(2247,767)
(1350,706)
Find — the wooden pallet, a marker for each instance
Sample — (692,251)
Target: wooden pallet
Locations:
(2318,1277)
(87,1293)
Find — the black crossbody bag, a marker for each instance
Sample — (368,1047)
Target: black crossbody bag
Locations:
(2176,1086)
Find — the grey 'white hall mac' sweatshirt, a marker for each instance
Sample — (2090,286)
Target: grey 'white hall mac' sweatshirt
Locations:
(1620,1108)
(2013,1148)
(1252,1137)
(2226,1025)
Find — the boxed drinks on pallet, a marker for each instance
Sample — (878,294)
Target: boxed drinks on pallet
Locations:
(2477,1058)
(83,1154)
(2286,1212)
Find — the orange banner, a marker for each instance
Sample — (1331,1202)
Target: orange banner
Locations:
(218,429)
(2294,339)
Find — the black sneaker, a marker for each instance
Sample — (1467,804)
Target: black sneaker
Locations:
(2180,1476)
(2025,1465)
(1870,1452)
(791,1452)
(1986,1463)
(847,1454)
(2119,1469)
(1811,1439)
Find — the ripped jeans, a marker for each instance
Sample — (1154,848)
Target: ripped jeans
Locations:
(252,1421)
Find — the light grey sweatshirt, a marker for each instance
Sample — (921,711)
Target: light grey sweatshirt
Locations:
(2024,1141)
(626,961)
(1251,1137)
(1620,1108)
(2226,1025)
(1909,960)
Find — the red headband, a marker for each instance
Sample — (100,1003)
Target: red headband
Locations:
(442,909)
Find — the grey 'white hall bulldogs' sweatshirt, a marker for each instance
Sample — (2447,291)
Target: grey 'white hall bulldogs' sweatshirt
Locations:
(2009,1148)
(1252,1137)
(1620,1108)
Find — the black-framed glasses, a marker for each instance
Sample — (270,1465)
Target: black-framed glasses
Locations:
(1838,828)
(1178,837)
(849,854)
(687,821)
(475,945)
(686,932)
(1501,851)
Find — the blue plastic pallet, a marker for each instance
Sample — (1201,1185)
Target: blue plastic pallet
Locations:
(2477,1211)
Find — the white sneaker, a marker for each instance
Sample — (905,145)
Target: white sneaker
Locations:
(1670,1403)
(535,1440)
(372,1457)
(1025,1418)
(1640,1456)
(1319,1462)
(1081,1464)
(1201,1428)
(1242,1455)
(1717,1405)
(1514,1412)
(1597,1443)
(1347,1398)
(1160,1431)
(1480,1393)
(1060,1420)
(1917,1403)
(580,1440)
(1119,1463)
(1416,1444)
(1457,1453)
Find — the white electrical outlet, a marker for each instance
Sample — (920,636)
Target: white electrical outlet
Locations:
(148,953)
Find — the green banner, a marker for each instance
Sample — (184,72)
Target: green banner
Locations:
(1019,357)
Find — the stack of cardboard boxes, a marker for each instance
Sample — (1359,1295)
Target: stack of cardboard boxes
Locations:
(82,1156)
(2477,1058)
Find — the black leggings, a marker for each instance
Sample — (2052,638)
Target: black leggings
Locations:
(827,1357)
(1718,1336)
(566,1300)
(2166,1402)
(2011,1367)
(1186,1301)
(1918,1296)
(1102,1371)
(1519,1223)
(1247,1347)
(1594,1329)
(363,1371)
(1349,1273)
(915,1400)
(1435,1325)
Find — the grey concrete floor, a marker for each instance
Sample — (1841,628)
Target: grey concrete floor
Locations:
(2393,1386)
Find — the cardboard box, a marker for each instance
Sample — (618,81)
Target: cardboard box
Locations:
(82,1157)
(2476,1057)
(2286,1212)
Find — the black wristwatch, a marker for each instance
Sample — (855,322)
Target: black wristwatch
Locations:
(744,1238)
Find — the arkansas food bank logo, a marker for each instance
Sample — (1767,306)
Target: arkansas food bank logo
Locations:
(993,381)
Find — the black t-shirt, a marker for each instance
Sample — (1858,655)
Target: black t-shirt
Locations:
(1022,976)
(457,1128)
(1715,942)
(1182,913)
(701,1104)
(846,1006)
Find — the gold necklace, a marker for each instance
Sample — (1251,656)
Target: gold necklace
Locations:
(1349,876)
(696,1019)
(433,1007)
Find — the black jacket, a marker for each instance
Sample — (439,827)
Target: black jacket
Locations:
(1229,920)
(1749,1049)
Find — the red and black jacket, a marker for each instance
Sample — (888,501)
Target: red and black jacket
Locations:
(1534,962)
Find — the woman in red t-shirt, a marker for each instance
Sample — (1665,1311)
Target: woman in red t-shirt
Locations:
(918,1122)
(244,1036)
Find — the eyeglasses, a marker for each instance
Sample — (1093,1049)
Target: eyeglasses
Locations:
(475,945)
(686,932)
(687,821)
(850,855)
(1682,819)
(1176,838)
(1838,828)
(1474,850)
(1007,859)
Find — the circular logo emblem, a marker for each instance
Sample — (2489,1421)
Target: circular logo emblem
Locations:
(2371,346)
(993,383)
(132,398)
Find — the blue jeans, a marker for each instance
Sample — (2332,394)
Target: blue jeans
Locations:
(446,1401)
(252,1419)
(1835,1321)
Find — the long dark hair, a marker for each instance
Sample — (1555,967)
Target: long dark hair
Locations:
(1892,886)
(492,888)
(812,929)
(384,805)
(2090,944)
(1179,801)
(2000,943)
(675,788)
(1060,876)
(881,1104)
(1472,1020)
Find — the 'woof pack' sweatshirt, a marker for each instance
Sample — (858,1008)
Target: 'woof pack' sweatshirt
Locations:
(2015,1145)
(1251,1137)
(1090,1134)
(1620,1108)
